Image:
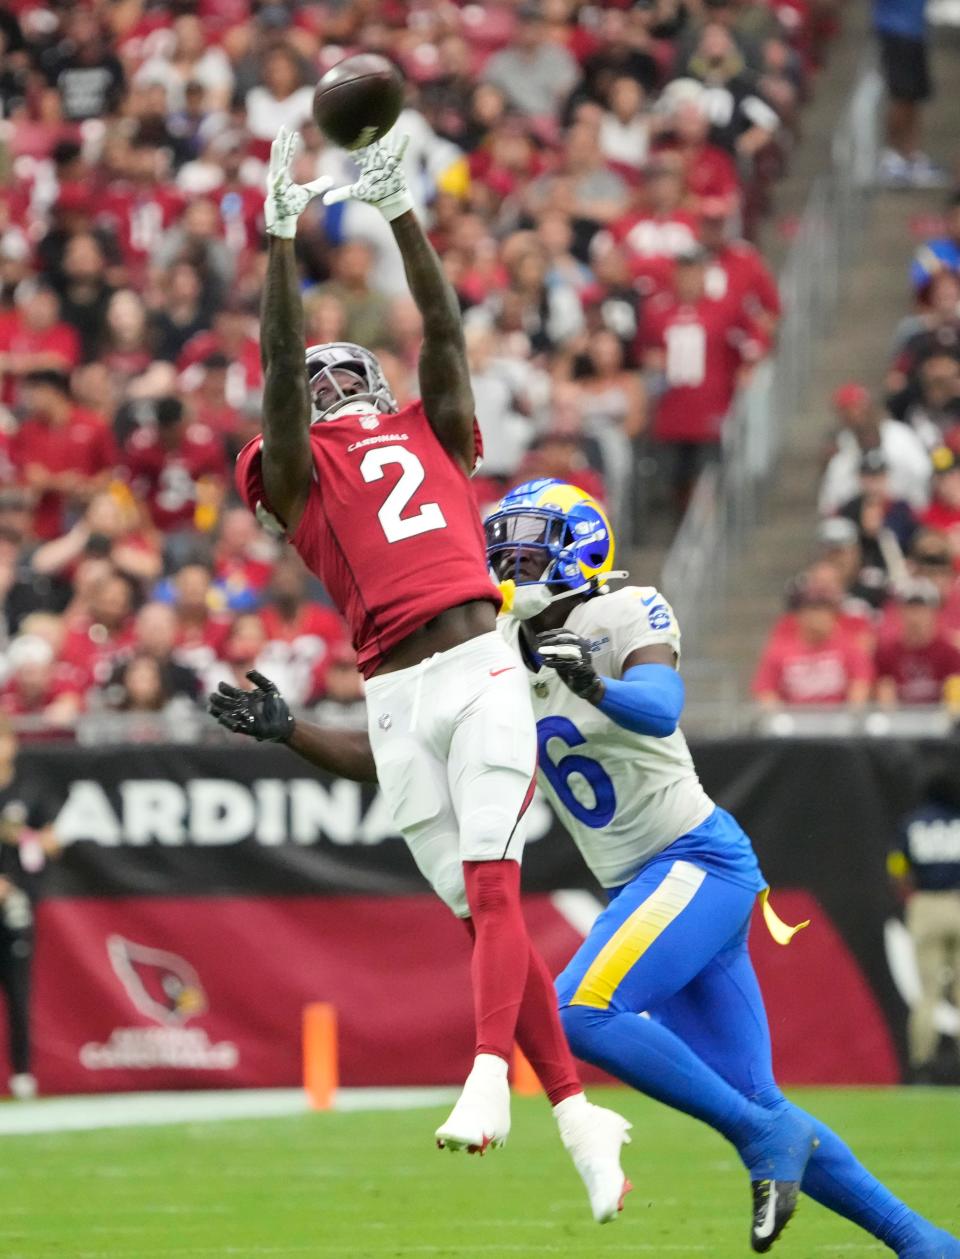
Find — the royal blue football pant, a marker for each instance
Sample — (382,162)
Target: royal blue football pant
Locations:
(673,943)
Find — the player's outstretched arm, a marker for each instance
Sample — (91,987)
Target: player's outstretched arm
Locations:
(263,714)
(287,461)
(444,375)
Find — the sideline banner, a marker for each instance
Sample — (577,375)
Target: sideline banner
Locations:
(207,893)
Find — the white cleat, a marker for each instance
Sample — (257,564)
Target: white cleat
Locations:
(594,1137)
(481,1118)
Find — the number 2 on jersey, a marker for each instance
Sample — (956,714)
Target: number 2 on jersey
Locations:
(559,773)
(396,526)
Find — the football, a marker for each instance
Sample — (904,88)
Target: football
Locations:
(358,100)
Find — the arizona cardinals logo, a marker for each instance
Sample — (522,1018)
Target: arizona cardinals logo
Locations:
(161,985)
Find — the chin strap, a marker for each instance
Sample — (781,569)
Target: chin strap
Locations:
(529,600)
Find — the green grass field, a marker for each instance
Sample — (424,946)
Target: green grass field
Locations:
(372,1185)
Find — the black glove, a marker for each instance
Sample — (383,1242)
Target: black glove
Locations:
(263,714)
(569,654)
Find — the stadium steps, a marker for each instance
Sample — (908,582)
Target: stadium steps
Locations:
(875,296)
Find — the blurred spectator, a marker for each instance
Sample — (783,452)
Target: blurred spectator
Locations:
(861,428)
(108,528)
(243,559)
(534,76)
(709,172)
(366,309)
(125,350)
(902,31)
(936,330)
(81,66)
(863,586)
(197,240)
(819,663)
(626,125)
(175,467)
(33,688)
(736,270)
(186,310)
(614,409)
(885,524)
(659,230)
(202,626)
(826,576)
(926,867)
(931,406)
(914,666)
(337,679)
(84,292)
(64,454)
(233,336)
(281,99)
(302,634)
(696,351)
(27,842)
(742,121)
(140,686)
(942,253)
(943,514)
(155,633)
(502,410)
(95,642)
(244,648)
(34,339)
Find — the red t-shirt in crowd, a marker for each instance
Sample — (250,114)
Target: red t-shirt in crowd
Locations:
(244,375)
(389,526)
(737,271)
(708,171)
(13,703)
(798,673)
(918,672)
(139,216)
(83,444)
(90,652)
(166,479)
(704,343)
(61,341)
(657,235)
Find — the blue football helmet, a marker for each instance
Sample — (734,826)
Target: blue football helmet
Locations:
(557,523)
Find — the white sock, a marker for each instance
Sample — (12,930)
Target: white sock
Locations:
(490,1067)
(571,1107)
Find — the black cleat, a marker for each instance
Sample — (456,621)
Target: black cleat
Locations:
(774,1202)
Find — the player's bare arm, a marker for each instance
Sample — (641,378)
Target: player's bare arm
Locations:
(263,714)
(444,375)
(287,462)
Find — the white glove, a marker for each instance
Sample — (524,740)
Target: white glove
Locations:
(382,182)
(286,201)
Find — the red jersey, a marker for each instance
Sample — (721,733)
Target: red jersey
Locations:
(244,375)
(945,520)
(798,673)
(704,344)
(166,480)
(83,444)
(139,216)
(737,271)
(90,654)
(918,672)
(61,341)
(200,645)
(390,527)
(657,235)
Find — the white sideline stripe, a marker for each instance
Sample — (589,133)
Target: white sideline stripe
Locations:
(131,1110)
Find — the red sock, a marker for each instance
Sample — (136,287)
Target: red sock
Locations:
(501,952)
(540,1034)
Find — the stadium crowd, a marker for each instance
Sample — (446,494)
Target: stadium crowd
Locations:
(876,616)
(591,174)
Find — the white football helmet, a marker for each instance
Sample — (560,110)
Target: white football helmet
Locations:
(329,368)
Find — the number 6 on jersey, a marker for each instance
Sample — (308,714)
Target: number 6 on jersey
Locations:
(396,526)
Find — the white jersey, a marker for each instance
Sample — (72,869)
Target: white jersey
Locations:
(622,796)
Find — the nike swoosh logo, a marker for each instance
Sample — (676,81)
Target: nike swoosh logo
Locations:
(495,673)
(766,1228)
(646,602)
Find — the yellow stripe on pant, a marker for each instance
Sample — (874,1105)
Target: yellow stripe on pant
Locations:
(632,938)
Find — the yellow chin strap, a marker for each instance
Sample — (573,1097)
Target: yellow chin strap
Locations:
(780,931)
(508,590)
